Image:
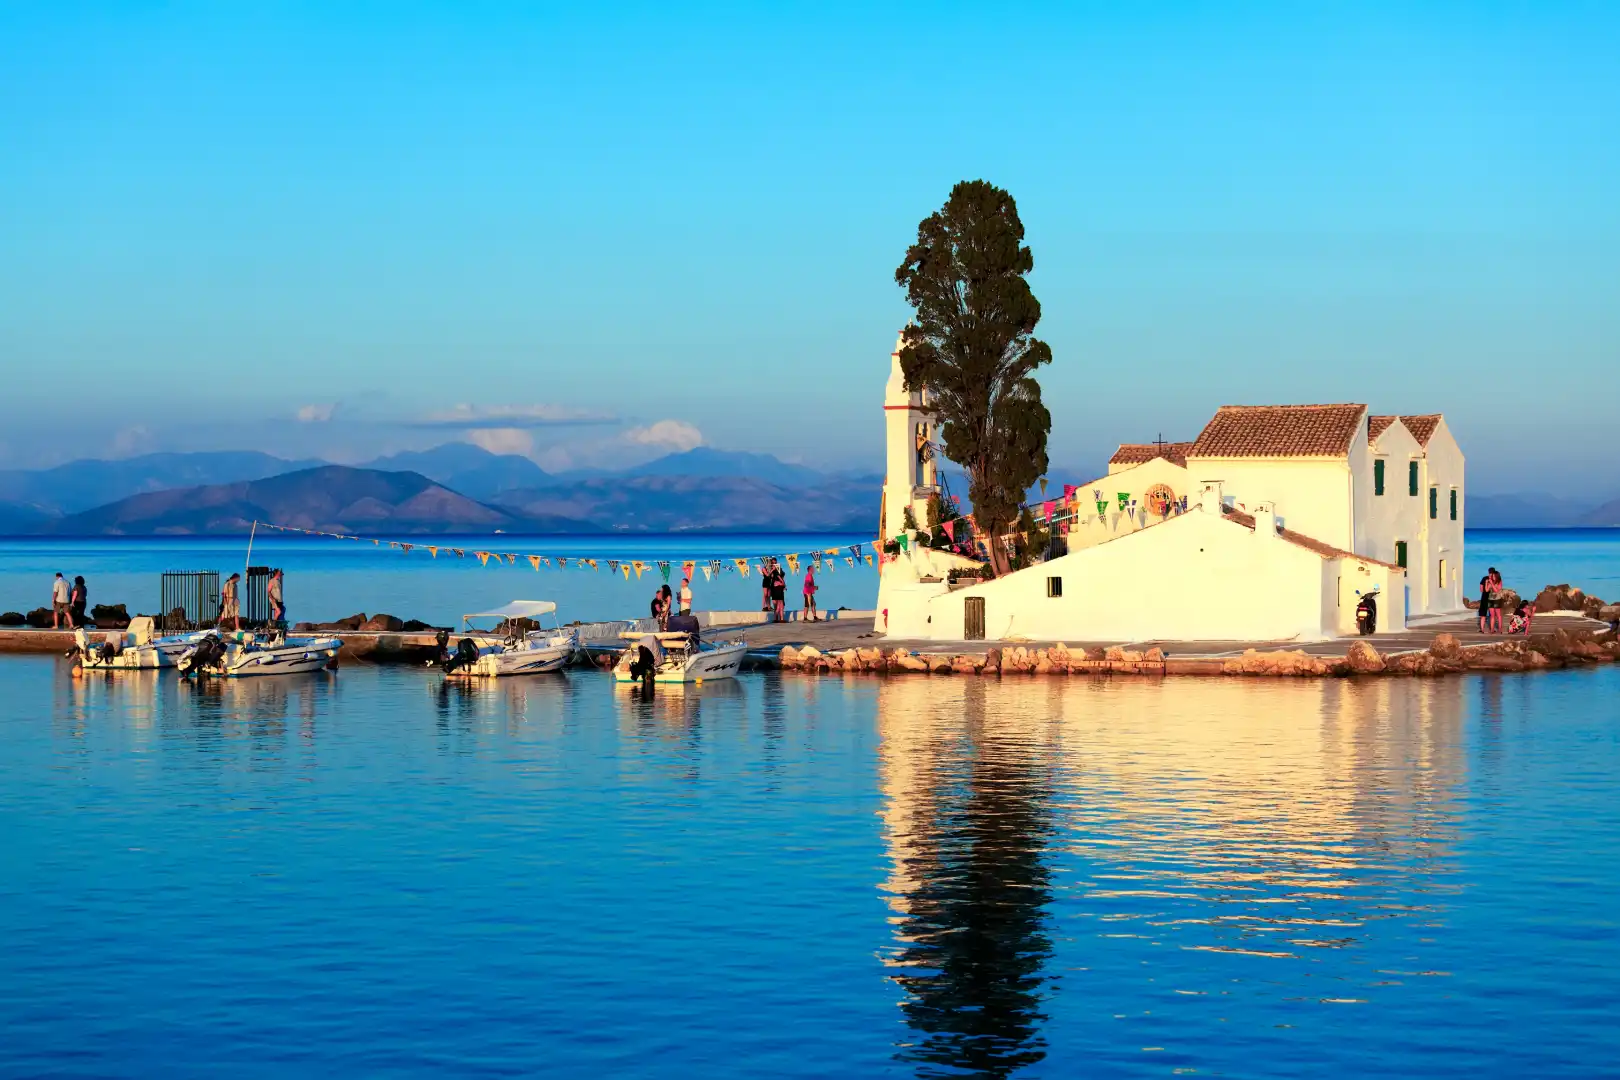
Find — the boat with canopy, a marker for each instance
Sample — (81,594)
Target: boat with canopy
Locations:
(510,646)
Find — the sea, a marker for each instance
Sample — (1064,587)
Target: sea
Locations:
(372,872)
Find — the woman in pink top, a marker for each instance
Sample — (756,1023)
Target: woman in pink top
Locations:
(810,594)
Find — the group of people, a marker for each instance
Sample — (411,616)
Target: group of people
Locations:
(67,601)
(664,600)
(230,601)
(773,591)
(1491,603)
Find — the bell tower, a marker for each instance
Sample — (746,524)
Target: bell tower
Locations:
(910,447)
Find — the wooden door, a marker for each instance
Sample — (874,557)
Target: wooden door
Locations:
(973,618)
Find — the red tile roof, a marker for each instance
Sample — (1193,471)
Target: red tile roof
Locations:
(1246,431)
(1377,425)
(1141,453)
(1309,543)
(1422,427)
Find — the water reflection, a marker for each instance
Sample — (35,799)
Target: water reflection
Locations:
(1266,822)
(969,819)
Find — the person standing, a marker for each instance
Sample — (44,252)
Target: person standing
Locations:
(272,592)
(1496,600)
(686,596)
(767,584)
(779,593)
(60,595)
(666,601)
(229,605)
(657,608)
(1485,604)
(810,594)
(78,597)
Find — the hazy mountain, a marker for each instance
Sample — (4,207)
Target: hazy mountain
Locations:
(680,503)
(1607,515)
(332,498)
(466,468)
(21,519)
(80,485)
(707,461)
(1523,511)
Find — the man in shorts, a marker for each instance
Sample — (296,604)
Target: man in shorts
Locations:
(60,597)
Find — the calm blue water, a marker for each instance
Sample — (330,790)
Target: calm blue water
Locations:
(330,579)
(370,873)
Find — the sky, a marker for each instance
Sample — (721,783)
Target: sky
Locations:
(592,232)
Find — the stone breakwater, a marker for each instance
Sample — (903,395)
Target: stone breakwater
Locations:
(1445,656)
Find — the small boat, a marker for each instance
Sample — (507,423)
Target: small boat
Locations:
(677,655)
(240,654)
(134,648)
(508,649)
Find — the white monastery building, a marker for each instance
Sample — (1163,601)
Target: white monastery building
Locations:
(1270,526)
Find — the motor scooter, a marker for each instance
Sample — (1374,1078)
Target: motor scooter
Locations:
(1367,613)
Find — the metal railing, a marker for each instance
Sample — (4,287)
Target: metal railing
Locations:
(190,600)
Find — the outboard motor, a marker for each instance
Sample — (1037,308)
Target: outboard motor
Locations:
(1367,613)
(466,655)
(441,653)
(209,653)
(644,666)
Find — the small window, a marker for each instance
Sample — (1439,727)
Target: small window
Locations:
(1378,477)
(1453,504)
(1054,586)
(1400,554)
(1434,503)
(1411,477)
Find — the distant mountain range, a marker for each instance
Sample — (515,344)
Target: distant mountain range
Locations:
(456,487)
(459,487)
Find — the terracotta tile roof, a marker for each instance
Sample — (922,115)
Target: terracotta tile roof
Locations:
(1377,425)
(1246,431)
(1422,427)
(1141,453)
(1309,543)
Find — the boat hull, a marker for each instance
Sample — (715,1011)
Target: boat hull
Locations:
(163,653)
(492,665)
(289,658)
(722,662)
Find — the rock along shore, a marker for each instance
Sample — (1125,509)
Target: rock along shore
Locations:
(1445,656)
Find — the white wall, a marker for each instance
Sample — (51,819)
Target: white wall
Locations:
(1312,495)
(1088,529)
(1195,577)
(1443,467)
(1394,515)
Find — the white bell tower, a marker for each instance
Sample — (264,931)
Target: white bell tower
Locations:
(909,436)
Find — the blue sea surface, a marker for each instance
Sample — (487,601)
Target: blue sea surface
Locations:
(330,579)
(371,872)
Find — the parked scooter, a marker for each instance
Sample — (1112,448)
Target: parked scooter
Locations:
(1367,613)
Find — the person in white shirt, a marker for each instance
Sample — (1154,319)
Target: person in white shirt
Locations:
(59,603)
(686,596)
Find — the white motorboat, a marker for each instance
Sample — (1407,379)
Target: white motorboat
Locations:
(507,649)
(677,655)
(134,648)
(240,654)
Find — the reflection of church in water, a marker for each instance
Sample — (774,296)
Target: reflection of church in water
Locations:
(1253,822)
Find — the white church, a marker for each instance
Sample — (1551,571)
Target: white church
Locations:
(1269,526)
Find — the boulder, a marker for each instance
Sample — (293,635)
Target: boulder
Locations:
(789,656)
(1537,660)
(1363,659)
(40,618)
(383,624)
(110,616)
(415,626)
(1154,655)
(1411,663)
(1488,660)
(940,665)
(1445,647)
(966,665)
(305,627)
(1609,613)
(13,618)
(1096,652)
(1560,598)
(992,661)
(908,661)
(1287,662)
(353,622)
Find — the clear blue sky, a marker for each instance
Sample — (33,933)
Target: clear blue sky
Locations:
(212,215)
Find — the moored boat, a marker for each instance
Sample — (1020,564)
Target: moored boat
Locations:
(509,648)
(240,655)
(677,655)
(134,648)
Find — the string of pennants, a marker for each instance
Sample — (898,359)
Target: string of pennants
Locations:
(1062,513)
(824,560)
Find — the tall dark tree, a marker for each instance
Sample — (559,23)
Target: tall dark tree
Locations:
(972,345)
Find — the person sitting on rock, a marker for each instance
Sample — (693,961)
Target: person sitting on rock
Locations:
(1520,623)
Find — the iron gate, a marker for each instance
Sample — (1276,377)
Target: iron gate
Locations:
(190,600)
(256,597)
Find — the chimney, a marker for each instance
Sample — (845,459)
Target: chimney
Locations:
(1209,499)
(1265,520)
